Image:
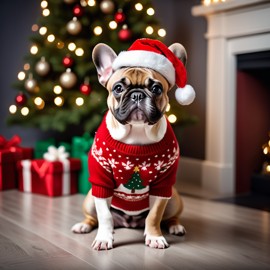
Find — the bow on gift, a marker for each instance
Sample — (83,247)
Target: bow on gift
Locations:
(7,144)
(56,154)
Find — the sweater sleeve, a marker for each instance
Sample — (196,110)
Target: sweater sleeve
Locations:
(163,186)
(100,178)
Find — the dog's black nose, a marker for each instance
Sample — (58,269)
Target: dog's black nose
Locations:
(137,96)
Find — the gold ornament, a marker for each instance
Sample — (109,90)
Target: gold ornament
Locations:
(31,84)
(74,27)
(68,79)
(42,67)
(69,1)
(107,6)
(266,168)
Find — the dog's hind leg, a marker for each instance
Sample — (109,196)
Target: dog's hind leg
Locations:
(90,222)
(171,217)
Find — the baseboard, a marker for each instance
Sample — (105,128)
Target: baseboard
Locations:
(203,179)
(190,171)
(218,178)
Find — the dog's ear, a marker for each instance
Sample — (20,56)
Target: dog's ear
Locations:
(103,57)
(179,51)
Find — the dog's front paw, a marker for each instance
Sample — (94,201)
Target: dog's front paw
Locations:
(81,227)
(156,242)
(177,229)
(103,240)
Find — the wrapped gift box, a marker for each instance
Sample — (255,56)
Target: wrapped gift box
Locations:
(81,145)
(57,178)
(10,154)
(41,147)
(83,183)
(7,172)
(79,149)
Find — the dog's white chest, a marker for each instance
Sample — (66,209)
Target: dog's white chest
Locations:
(137,134)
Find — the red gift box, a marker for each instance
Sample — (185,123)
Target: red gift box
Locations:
(10,154)
(44,177)
(7,170)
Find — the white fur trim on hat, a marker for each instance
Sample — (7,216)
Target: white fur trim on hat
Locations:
(185,95)
(147,59)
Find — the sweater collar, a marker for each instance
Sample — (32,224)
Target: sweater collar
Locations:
(169,140)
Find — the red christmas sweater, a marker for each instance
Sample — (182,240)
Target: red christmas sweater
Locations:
(130,173)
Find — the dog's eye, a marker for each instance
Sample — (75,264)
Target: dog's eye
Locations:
(118,88)
(156,89)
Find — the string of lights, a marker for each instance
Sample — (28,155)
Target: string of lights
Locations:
(68,78)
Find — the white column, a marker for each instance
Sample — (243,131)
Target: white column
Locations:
(217,172)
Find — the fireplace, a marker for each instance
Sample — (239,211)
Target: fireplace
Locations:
(235,27)
(252,116)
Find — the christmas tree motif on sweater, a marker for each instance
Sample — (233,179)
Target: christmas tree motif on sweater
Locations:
(135,182)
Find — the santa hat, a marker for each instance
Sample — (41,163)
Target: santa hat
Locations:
(154,54)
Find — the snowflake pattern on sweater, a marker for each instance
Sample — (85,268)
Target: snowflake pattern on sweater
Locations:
(130,173)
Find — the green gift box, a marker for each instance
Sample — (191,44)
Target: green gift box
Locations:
(81,145)
(79,149)
(66,145)
(83,183)
(42,146)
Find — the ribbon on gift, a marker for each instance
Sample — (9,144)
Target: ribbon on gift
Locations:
(54,154)
(26,167)
(60,154)
(7,144)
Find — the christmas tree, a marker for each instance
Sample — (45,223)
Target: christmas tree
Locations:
(58,87)
(135,182)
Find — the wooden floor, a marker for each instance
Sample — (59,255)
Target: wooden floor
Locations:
(35,234)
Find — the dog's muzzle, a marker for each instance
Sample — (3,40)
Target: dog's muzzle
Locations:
(137,105)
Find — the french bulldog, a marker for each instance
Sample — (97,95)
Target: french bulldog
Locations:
(134,157)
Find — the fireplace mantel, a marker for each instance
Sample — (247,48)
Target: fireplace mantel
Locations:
(234,27)
(226,6)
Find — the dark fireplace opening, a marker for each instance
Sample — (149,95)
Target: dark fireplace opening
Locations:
(252,121)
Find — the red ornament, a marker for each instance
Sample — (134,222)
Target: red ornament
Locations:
(78,11)
(67,61)
(124,34)
(85,88)
(21,99)
(119,17)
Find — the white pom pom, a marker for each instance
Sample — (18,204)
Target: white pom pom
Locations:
(186,95)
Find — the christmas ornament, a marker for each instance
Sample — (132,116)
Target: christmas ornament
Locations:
(78,11)
(85,88)
(21,99)
(107,6)
(42,67)
(124,34)
(69,1)
(67,61)
(74,27)
(68,79)
(119,16)
(84,3)
(31,84)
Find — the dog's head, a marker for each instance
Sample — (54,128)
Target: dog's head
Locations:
(138,93)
